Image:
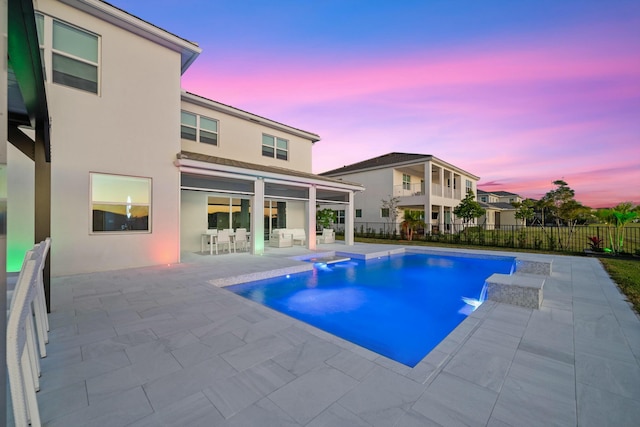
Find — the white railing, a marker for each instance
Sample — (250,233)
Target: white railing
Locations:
(404,190)
(23,337)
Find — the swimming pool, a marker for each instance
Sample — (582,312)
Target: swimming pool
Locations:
(398,306)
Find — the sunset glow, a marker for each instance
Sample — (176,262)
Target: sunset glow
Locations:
(518,93)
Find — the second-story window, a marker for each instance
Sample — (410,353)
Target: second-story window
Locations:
(275,147)
(468,185)
(406,181)
(71,53)
(198,128)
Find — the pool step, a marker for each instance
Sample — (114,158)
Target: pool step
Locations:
(328,259)
(520,289)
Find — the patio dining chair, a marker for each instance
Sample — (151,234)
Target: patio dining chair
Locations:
(241,239)
(223,239)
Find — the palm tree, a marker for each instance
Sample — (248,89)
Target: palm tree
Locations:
(412,221)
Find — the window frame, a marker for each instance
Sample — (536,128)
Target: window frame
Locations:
(340,216)
(468,185)
(383,211)
(358,213)
(275,148)
(93,202)
(406,181)
(45,44)
(199,129)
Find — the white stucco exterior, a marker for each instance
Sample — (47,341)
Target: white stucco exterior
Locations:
(424,183)
(132,128)
(240,135)
(499,212)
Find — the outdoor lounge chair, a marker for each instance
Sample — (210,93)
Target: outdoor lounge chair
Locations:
(327,236)
(281,238)
(298,235)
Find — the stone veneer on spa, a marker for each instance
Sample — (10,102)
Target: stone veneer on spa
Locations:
(523,288)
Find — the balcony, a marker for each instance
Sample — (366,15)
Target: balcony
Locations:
(404,190)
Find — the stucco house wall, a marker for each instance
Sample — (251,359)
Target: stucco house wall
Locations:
(435,188)
(131,128)
(240,136)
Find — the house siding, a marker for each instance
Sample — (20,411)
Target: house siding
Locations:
(130,128)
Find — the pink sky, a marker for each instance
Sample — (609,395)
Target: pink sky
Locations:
(518,93)
(518,116)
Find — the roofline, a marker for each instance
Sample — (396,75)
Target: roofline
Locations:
(189,51)
(496,193)
(487,205)
(245,115)
(24,58)
(427,157)
(202,165)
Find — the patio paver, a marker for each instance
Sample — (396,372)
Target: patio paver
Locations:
(162,346)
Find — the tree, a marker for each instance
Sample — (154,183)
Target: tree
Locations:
(557,197)
(543,205)
(391,204)
(524,210)
(560,201)
(617,218)
(468,209)
(412,221)
(325,217)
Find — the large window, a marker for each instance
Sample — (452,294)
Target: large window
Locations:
(198,128)
(468,186)
(226,212)
(71,53)
(339,216)
(275,147)
(75,57)
(120,203)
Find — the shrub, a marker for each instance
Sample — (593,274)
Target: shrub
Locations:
(537,243)
(595,243)
(522,239)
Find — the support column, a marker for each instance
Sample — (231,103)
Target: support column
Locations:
(349,221)
(428,184)
(257,219)
(43,206)
(244,213)
(311,218)
(441,224)
(3,206)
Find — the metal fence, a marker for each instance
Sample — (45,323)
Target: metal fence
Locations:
(599,238)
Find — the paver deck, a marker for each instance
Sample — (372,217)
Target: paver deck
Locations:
(161,346)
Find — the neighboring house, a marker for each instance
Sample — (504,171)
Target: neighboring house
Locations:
(499,211)
(131,170)
(421,182)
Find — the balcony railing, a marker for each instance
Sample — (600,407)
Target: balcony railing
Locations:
(404,190)
(417,189)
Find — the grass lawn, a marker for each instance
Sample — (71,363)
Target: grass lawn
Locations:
(626,273)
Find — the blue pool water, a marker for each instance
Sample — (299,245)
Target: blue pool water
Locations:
(399,306)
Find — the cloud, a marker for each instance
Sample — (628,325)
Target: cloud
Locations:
(518,114)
